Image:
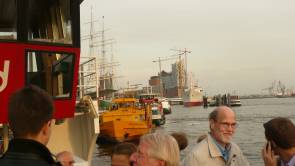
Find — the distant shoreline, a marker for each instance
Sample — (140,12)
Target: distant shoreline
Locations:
(263,97)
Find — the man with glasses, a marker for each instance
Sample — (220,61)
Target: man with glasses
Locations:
(156,149)
(217,148)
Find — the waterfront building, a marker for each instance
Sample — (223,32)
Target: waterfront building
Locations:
(173,82)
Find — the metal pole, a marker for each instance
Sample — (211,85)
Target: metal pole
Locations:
(186,83)
(5,136)
(160,76)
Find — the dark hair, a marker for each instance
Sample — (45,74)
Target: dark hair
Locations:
(28,110)
(181,139)
(125,148)
(213,115)
(281,131)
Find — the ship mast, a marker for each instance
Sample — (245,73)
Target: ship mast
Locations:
(106,66)
(88,75)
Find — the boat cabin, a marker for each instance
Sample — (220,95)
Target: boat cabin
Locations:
(40,45)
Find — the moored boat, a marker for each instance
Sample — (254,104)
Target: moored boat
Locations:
(125,120)
(165,105)
(193,96)
(157,116)
(175,101)
(235,101)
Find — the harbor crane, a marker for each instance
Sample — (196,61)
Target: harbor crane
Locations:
(276,88)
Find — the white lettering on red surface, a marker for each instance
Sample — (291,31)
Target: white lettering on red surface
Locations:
(4,75)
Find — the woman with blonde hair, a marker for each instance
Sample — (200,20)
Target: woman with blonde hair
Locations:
(157,149)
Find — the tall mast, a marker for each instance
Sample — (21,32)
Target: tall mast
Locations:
(103,60)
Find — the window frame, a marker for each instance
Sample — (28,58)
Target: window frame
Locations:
(22,27)
(27,51)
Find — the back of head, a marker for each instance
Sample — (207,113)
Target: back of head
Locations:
(66,158)
(281,131)
(181,139)
(124,148)
(28,110)
(163,147)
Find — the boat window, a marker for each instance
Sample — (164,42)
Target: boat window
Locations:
(49,21)
(8,22)
(52,72)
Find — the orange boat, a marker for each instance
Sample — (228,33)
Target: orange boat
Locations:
(125,120)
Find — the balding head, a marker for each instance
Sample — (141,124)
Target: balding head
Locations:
(65,158)
(220,112)
(222,124)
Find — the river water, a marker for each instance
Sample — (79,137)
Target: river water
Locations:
(193,121)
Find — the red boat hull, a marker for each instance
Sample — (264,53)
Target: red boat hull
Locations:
(192,103)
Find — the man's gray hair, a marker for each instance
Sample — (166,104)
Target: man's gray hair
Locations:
(163,147)
(214,114)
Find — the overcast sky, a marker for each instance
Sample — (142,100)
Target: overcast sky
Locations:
(239,46)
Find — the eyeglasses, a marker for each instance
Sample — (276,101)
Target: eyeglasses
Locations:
(227,125)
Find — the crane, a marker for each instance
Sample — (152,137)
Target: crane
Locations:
(271,89)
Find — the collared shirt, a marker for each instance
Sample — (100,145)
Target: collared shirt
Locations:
(224,151)
(206,153)
(289,163)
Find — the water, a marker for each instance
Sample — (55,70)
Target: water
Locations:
(249,134)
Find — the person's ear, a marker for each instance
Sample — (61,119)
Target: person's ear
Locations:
(46,127)
(273,144)
(211,124)
(162,163)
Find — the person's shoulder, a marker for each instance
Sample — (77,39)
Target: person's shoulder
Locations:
(9,162)
(235,146)
(200,147)
(23,160)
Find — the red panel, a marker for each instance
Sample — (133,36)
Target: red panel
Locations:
(13,55)
(10,54)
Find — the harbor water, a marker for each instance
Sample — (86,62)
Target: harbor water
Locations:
(194,122)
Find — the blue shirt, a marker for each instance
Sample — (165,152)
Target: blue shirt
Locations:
(289,163)
(224,151)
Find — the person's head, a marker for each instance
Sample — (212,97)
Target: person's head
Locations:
(181,139)
(281,133)
(121,154)
(157,149)
(30,113)
(222,124)
(65,158)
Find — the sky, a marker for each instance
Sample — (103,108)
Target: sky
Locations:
(237,46)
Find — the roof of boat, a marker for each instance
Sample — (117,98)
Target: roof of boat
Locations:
(122,100)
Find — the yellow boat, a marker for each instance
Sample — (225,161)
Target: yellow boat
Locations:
(125,120)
